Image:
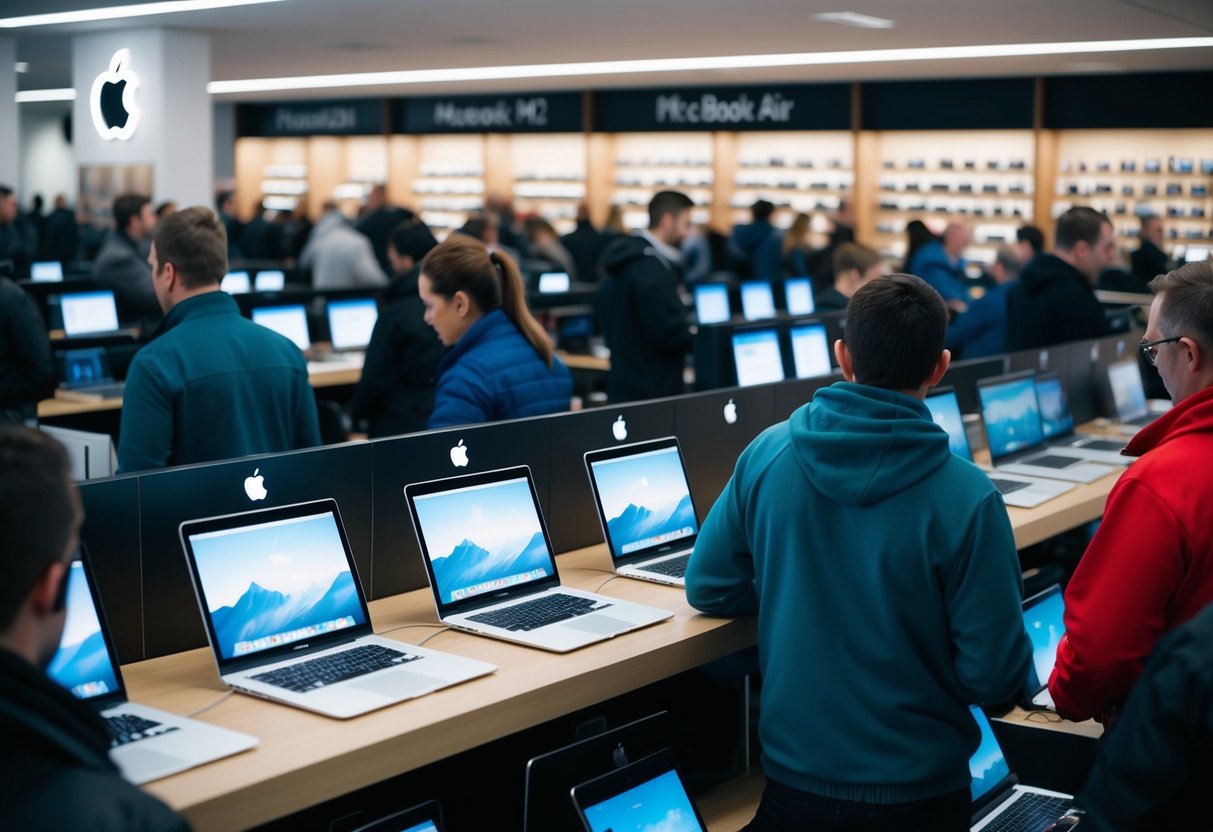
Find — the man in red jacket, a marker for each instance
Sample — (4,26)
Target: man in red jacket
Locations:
(1149,568)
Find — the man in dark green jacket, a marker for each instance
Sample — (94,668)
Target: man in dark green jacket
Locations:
(884,575)
(211,384)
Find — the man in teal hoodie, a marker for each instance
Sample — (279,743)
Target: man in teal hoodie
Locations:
(884,575)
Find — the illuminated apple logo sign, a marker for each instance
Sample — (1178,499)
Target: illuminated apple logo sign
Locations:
(112,101)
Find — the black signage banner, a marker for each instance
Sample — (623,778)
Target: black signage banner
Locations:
(510,113)
(349,117)
(807,107)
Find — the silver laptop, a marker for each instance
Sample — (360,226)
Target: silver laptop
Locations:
(1129,396)
(1015,437)
(645,508)
(999,802)
(1043,619)
(489,559)
(287,620)
(1057,426)
(146,743)
(1020,491)
(89,313)
(351,323)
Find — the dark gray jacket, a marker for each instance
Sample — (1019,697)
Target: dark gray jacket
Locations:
(122,267)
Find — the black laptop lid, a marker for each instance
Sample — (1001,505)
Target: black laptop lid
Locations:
(426,817)
(86,663)
(648,794)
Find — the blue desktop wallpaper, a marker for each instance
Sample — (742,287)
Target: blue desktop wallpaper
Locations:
(660,805)
(987,766)
(1055,418)
(82,658)
(483,534)
(810,351)
(424,826)
(945,410)
(644,496)
(1012,416)
(264,581)
(1045,627)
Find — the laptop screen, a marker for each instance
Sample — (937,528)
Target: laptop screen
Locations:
(270,584)
(87,312)
(712,303)
(810,351)
(82,368)
(945,410)
(553,282)
(236,283)
(757,300)
(658,802)
(988,767)
(290,321)
(351,323)
(47,272)
(483,538)
(1055,418)
(1043,620)
(83,664)
(1011,414)
(757,356)
(271,280)
(798,292)
(645,498)
(1127,390)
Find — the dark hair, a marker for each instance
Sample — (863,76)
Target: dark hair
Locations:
(534,226)
(1031,235)
(474,228)
(126,207)
(1186,309)
(5,191)
(39,512)
(165,208)
(918,234)
(854,256)
(762,210)
(667,202)
(221,198)
(412,239)
(1149,218)
(462,264)
(1079,224)
(895,331)
(195,242)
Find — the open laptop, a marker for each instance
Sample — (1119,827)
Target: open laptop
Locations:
(287,620)
(424,818)
(87,373)
(88,313)
(648,794)
(49,271)
(1057,425)
(1024,492)
(553,283)
(757,300)
(1044,622)
(270,280)
(146,743)
(810,350)
(491,567)
(999,802)
(1129,396)
(798,296)
(289,321)
(757,356)
(712,303)
(236,283)
(351,323)
(644,504)
(1015,438)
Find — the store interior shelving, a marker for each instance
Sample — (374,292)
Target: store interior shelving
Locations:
(549,176)
(646,163)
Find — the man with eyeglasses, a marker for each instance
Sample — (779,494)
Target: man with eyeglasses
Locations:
(1149,568)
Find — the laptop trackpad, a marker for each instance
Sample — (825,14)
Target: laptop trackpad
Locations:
(399,683)
(144,760)
(599,624)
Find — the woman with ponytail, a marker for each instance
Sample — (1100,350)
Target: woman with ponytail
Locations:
(501,364)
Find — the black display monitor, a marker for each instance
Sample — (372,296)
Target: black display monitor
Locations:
(713,429)
(111,533)
(792,395)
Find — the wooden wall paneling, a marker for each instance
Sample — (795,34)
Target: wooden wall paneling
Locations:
(724,177)
(498,164)
(403,166)
(325,171)
(252,156)
(1046,183)
(867,169)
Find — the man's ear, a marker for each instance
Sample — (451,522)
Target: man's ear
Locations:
(48,589)
(843,356)
(941,367)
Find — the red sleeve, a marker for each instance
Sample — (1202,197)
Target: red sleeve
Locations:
(1116,602)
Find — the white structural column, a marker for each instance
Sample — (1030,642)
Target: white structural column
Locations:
(170,123)
(9,166)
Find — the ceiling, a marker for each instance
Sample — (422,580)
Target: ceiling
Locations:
(311,37)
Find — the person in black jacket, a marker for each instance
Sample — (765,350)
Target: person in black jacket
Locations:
(18,238)
(639,309)
(26,373)
(1149,260)
(1054,301)
(55,771)
(62,234)
(378,222)
(396,392)
(585,244)
(122,266)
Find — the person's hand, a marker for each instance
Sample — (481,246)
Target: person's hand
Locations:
(958,306)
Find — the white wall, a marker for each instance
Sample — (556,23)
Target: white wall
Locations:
(9,166)
(48,163)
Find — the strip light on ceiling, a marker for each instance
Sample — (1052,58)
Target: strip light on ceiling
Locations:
(33,96)
(794,59)
(116,12)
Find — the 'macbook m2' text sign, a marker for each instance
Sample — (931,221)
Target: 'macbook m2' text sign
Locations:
(516,113)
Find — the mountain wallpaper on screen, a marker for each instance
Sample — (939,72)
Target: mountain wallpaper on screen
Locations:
(469,563)
(87,661)
(637,522)
(263,612)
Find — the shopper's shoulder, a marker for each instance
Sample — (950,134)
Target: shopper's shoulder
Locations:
(95,801)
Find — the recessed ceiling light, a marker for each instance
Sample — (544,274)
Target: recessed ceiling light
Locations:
(114,12)
(32,96)
(859,21)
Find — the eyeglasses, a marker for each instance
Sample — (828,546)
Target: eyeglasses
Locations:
(1150,348)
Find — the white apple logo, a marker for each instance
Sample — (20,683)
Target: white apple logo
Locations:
(112,101)
(620,429)
(459,455)
(254,486)
(730,412)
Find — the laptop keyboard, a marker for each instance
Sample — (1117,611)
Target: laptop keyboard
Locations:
(126,728)
(1030,813)
(1048,461)
(531,615)
(673,567)
(1007,486)
(335,667)
(1102,445)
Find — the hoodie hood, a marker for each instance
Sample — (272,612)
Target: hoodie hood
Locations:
(626,249)
(1044,270)
(860,444)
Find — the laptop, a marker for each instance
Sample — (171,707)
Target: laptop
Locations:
(757,356)
(645,508)
(712,303)
(351,323)
(757,300)
(270,280)
(798,296)
(999,802)
(146,744)
(236,283)
(289,321)
(490,563)
(1024,492)
(88,313)
(50,271)
(1057,425)
(1043,620)
(426,817)
(287,620)
(87,373)
(1129,396)
(552,283)
(1015,438)
(648,794)
(810,350)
